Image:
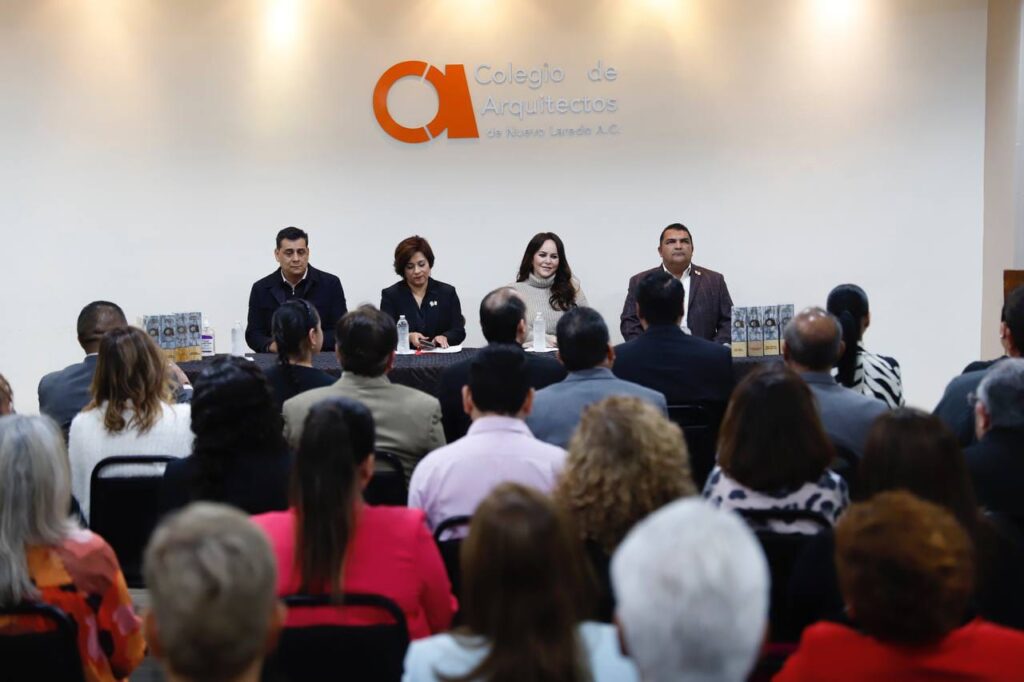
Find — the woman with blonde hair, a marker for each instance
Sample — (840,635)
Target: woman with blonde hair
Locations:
(131,411)
(44,557)
(625,461)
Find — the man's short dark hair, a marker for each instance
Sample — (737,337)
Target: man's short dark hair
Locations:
(96,319)
(291,234)
(675,226)
(501,311)
(1013,316)
(365,338)
(660,298)
(582,339)
(817,354)
(498,380)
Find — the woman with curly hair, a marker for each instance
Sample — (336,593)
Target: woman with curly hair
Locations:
(546,283)
(625,461)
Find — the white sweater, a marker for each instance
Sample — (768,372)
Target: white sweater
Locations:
(89,442)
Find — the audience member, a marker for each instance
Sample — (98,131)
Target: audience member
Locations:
(502,320)
(131,411)
(546,283)
(331,541)
(298,336)
(239,456)
(63,394)
(584,349)
(6,397)
(45,557)
(906,573)
(295,278)
(686,369)
(954,408)
(692,585)
(525,595)
(499,447)
(213,613)
(996,461)
(860,369)
(773,452)
(625,460)
(813,345)
(408,421)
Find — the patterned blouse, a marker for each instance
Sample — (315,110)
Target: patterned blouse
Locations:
(828,496)
(83,579)
(878,376)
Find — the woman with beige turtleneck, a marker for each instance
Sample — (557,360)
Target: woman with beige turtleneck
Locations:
(546,284)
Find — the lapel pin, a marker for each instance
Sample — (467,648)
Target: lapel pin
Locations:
(433,303)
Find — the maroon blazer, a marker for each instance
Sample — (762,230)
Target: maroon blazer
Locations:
(710,313)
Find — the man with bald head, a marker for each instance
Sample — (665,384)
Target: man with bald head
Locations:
(812,344)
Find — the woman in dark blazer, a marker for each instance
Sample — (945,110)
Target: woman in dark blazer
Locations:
(432,308)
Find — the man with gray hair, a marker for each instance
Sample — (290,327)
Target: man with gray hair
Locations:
(212,578)
(996,461)
(692,588)
(812,344)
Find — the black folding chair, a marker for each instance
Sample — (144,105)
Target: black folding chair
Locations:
(449,545)
(341,652)
(388,483)
(700,427)
(783,551)
(124,509)
(48,655)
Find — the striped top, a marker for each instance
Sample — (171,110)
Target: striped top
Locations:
(878,376)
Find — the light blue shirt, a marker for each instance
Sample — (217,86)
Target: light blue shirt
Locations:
(450,655)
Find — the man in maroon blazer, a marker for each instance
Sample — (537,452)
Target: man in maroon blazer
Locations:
(707,308)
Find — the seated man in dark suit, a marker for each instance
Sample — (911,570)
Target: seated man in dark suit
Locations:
(296,278)
(684,368)
(503,320)
(996,461)
(63,394)
(707,307)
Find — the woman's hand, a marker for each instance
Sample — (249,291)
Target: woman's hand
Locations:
(416,339)
(441,341)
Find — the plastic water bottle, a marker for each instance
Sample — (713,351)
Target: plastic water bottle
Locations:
(238,340)
(207,341)
(540,342)
(403,335)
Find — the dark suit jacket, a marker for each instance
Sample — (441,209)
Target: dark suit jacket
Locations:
(288,382)
(542,370)
(320,288)
(63,394)
(710,312)
(953,407)
(684,368)
(996,463)
(441,314)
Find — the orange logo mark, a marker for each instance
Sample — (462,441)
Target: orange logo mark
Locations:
(454,111)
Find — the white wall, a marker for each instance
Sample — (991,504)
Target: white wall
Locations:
(152,150)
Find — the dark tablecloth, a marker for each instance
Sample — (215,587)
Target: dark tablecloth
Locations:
(423,371)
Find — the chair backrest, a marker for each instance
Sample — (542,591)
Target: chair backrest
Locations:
(343,652)
(699,423)
(449,545)
(388,483)
(46,650)
(124,510)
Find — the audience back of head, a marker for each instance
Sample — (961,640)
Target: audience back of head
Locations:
(813,339)
(501,313)
(659,298)
(692,588)
(498,381)
(211,578)
(95,320)
(131,374)
(1001,396)
(290,327)
(849,304)
(366,338)
(582,339)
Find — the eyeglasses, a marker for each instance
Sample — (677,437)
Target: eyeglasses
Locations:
(972,399)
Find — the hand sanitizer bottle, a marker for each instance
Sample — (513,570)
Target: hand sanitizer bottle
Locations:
(207,339)
(403,335)
(539,341)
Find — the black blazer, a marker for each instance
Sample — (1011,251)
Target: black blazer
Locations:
(685,368)
(441,314)
(252,483)
(320,288)
(541,370)
(710,313)
(288,382)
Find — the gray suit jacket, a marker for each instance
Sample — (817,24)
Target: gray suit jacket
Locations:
(557,409)
(846,415)
(64,393)
(408,421)
(710,313)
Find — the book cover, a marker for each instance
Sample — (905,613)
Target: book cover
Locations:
(739,332)
(151,323)
(755,333)
(770,326)
(786,312)
(194,339)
